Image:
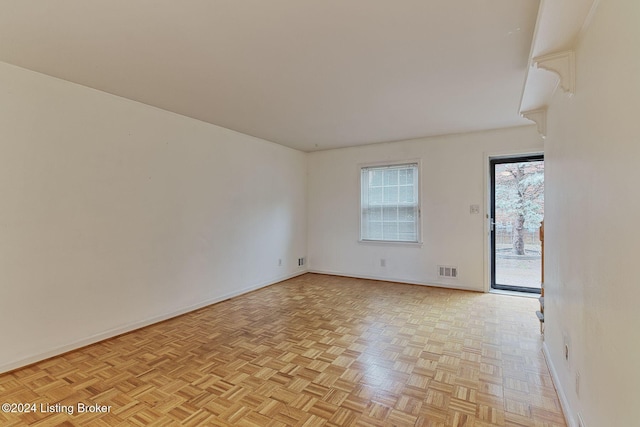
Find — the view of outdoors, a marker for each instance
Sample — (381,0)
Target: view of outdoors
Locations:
(519,197)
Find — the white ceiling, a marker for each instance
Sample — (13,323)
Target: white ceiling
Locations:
(307,74)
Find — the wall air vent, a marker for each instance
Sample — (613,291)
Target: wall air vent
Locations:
(448,271)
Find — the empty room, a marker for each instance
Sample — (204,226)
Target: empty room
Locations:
(329,213)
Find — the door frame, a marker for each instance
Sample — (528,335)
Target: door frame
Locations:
(488,157)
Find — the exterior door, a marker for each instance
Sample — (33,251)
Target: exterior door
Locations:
(517,208)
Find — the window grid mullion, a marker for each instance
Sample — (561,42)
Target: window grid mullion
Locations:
(389,214)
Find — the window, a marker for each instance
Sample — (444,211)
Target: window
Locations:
(389,205)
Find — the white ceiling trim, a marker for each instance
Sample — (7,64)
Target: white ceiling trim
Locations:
(559,27)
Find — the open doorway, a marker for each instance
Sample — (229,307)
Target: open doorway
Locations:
(517,208)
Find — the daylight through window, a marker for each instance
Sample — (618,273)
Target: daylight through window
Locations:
(389,205)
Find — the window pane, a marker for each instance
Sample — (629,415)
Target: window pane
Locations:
(410,176)
(406,237)
(402,176)
(376,177)
(375,196)
(391,177)
(406,214)
(375,230)
(390,230)
(390,213)
(406,194)
(407,231)
(391,195)
(407,227)
(375,214)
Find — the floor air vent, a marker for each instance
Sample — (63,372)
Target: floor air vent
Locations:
(448,271)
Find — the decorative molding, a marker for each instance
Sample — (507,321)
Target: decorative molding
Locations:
(538,116)
(563,64)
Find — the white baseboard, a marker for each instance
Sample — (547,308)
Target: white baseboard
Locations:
(461,287)
(564,402)
(136,325)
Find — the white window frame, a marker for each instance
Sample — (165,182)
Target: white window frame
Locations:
(418,195)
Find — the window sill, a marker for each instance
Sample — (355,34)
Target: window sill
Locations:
(390,243)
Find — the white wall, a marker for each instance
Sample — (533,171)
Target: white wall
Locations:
(114,214)
(452,171)
(592,236)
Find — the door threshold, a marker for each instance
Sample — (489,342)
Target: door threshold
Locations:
(514,293)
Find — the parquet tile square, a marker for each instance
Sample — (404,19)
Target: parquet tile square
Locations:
(311,351)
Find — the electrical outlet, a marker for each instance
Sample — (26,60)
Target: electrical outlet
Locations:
(279,262)
(566,352)
(383,262)
(474,209)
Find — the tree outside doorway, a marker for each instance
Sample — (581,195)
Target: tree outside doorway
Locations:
(519,191)
(518,209)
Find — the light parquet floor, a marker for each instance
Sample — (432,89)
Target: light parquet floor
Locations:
(311,351)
